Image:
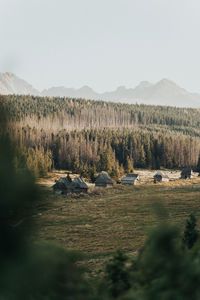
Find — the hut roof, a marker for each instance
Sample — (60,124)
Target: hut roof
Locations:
(130,177)
(103,177)
(62,183)
(67,180)
(78,183)
(159,173)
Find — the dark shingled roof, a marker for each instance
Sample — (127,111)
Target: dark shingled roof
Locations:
(103,177)
(129,179)
(78,183)
(132,175)
(62,184)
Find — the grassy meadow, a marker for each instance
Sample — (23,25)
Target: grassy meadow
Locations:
(104,220)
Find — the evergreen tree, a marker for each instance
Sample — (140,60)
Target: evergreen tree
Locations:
(76,163)
(129,165)
(115,173)
(142,158)
(198,166)
(157,163)
(107,160)
(190,233)
(117,275)
(93,174)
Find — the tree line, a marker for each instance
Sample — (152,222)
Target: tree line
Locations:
(115,151)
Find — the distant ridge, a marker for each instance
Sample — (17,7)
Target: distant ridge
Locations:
(164,92)
(11,84)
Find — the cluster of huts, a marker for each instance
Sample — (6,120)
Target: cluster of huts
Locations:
(65,185)
(161,177)
(78,185)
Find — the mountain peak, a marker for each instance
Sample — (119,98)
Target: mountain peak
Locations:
(166,81)
(7,75)
(10,74)
(12,84)
(144,84)
(86,88)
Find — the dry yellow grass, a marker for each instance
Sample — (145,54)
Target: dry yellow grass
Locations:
(101,222)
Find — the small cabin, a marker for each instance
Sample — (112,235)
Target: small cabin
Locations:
(160,177)
(130,179)
(78,185)
(187,173)
(103,180)
(62,186)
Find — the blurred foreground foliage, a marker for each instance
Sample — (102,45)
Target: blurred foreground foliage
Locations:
(167,267)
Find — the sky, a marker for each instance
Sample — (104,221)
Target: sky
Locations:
(101,43)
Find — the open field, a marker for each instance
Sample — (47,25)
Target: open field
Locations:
(104,220)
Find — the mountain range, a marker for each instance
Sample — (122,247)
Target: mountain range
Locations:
(164,92)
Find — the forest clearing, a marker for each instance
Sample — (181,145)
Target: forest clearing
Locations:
(107,219)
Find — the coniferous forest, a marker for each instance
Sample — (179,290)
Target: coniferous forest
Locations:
(87,136)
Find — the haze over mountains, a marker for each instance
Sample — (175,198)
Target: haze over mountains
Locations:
(164,92)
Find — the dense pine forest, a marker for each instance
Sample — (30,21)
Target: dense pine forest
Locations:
(87,136)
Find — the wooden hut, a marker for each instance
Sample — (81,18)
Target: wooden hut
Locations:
(187,173)
(103,180)
(130,179)
(62,186)
(160,177)
(78,185)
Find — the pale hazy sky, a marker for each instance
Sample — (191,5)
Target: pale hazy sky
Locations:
(101,43)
